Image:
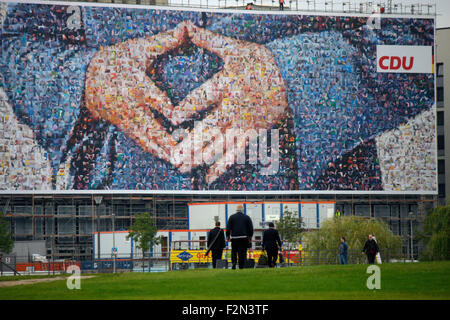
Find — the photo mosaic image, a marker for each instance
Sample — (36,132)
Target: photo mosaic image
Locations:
(92,96)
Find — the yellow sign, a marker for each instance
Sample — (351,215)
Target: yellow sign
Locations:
(189,256)
(255,254)
(198,256)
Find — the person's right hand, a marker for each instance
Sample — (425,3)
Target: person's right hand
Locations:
(248,93)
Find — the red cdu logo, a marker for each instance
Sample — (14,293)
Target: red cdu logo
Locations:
(404,59)
(396,63)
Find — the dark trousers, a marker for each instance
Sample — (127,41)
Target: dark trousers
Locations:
(371,257)
(216,255)
(281,6)
(272,256)
(239,249)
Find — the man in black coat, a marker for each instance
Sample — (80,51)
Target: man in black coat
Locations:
(343,251)
(240,231)
(371,249)
(216,243)
(271,241)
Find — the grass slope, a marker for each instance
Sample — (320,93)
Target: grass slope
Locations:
(426,280)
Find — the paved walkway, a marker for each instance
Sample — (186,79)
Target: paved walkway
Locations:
(32,281)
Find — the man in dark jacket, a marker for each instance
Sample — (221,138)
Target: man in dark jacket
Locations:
(271,241)
(240,231)
(343,251)
(216,243)
(371,249)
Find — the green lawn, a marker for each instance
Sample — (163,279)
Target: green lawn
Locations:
(425,280)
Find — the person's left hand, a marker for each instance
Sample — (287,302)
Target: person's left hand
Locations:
(248,94)
(119,91)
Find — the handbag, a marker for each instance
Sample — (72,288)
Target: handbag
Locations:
(378,257)
(263,260)
(281,257)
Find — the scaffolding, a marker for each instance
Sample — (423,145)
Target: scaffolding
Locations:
(67,222)
(332,6)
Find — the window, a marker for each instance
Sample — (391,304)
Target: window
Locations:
(440,69)
(440,142)
(440,94)
(164,247)
(441,190)
(440,118)
(441,166)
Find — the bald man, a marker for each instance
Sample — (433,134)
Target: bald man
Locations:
(240,231)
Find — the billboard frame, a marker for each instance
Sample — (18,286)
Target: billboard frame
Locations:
(233,192)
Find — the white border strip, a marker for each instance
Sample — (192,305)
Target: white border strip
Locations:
(219,10)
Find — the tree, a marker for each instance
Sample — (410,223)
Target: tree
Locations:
(144,232)
(436,234)
(6,242)
(290,227)
(321,246)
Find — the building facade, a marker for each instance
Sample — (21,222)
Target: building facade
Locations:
(67,223)
(443,112)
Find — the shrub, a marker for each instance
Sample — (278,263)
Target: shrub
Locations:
(321,246)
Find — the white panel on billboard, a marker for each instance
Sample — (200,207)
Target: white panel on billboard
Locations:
(405,59)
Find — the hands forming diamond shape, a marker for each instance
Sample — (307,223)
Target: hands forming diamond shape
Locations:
(248,93)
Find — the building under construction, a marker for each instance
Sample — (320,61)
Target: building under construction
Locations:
(66,220)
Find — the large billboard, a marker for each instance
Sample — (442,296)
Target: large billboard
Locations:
(119,98)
